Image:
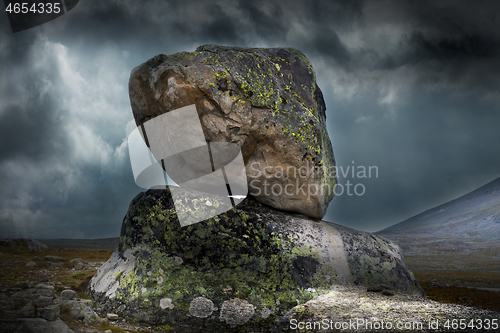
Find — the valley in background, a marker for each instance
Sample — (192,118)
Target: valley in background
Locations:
(454,249)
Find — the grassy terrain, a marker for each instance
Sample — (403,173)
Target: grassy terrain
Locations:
(459,266)
(455,293)
(15,274)
(453,273)
(443,256)
(460,276)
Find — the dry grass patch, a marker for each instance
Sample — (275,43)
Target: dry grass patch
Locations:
(15,274)
(484,299)
(454,288)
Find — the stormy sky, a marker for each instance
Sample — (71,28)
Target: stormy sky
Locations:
(411,87)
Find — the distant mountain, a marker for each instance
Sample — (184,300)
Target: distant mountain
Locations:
(475,215)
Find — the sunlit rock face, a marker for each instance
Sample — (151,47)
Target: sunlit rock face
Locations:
(264,100)
(239,271)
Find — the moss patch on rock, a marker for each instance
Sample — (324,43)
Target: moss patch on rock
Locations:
(252,260)
(233,256)
(374,260)
(266,101)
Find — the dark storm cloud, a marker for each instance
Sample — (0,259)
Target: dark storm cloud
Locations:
(270,22)
(329,44)
(435,152)
(448,53)
(411,87)
(463,48)
(449,41)
(418,97)
(222,29)
(28,121)
(58,175)
(325,20)
(31,132)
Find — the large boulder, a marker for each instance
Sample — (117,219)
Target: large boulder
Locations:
(264,100)
(239,271)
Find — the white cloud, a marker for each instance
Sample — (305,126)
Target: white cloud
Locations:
(86,145)
(131,125)
(19,222)
(90,109)
(121,151)
(92,96)
(363,119)
(29,184)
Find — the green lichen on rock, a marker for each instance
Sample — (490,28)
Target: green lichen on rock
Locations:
(234,255)
(374,260)
(239,271)
(282,80)
(266,101)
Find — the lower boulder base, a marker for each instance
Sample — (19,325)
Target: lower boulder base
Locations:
(239,271)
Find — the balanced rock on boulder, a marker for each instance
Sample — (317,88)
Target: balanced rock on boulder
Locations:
(264,100)
(241,270)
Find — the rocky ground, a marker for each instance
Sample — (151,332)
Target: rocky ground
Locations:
(358,310)
(52,289)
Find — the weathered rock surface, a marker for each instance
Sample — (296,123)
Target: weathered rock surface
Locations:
(266,101)
(35,245)
(38,309)
(32,244)
(68,294)
(241,270)
(112,316)
(55,258)
(50,312)
(33,325)
(6,303)
(37,302)
(82,310)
